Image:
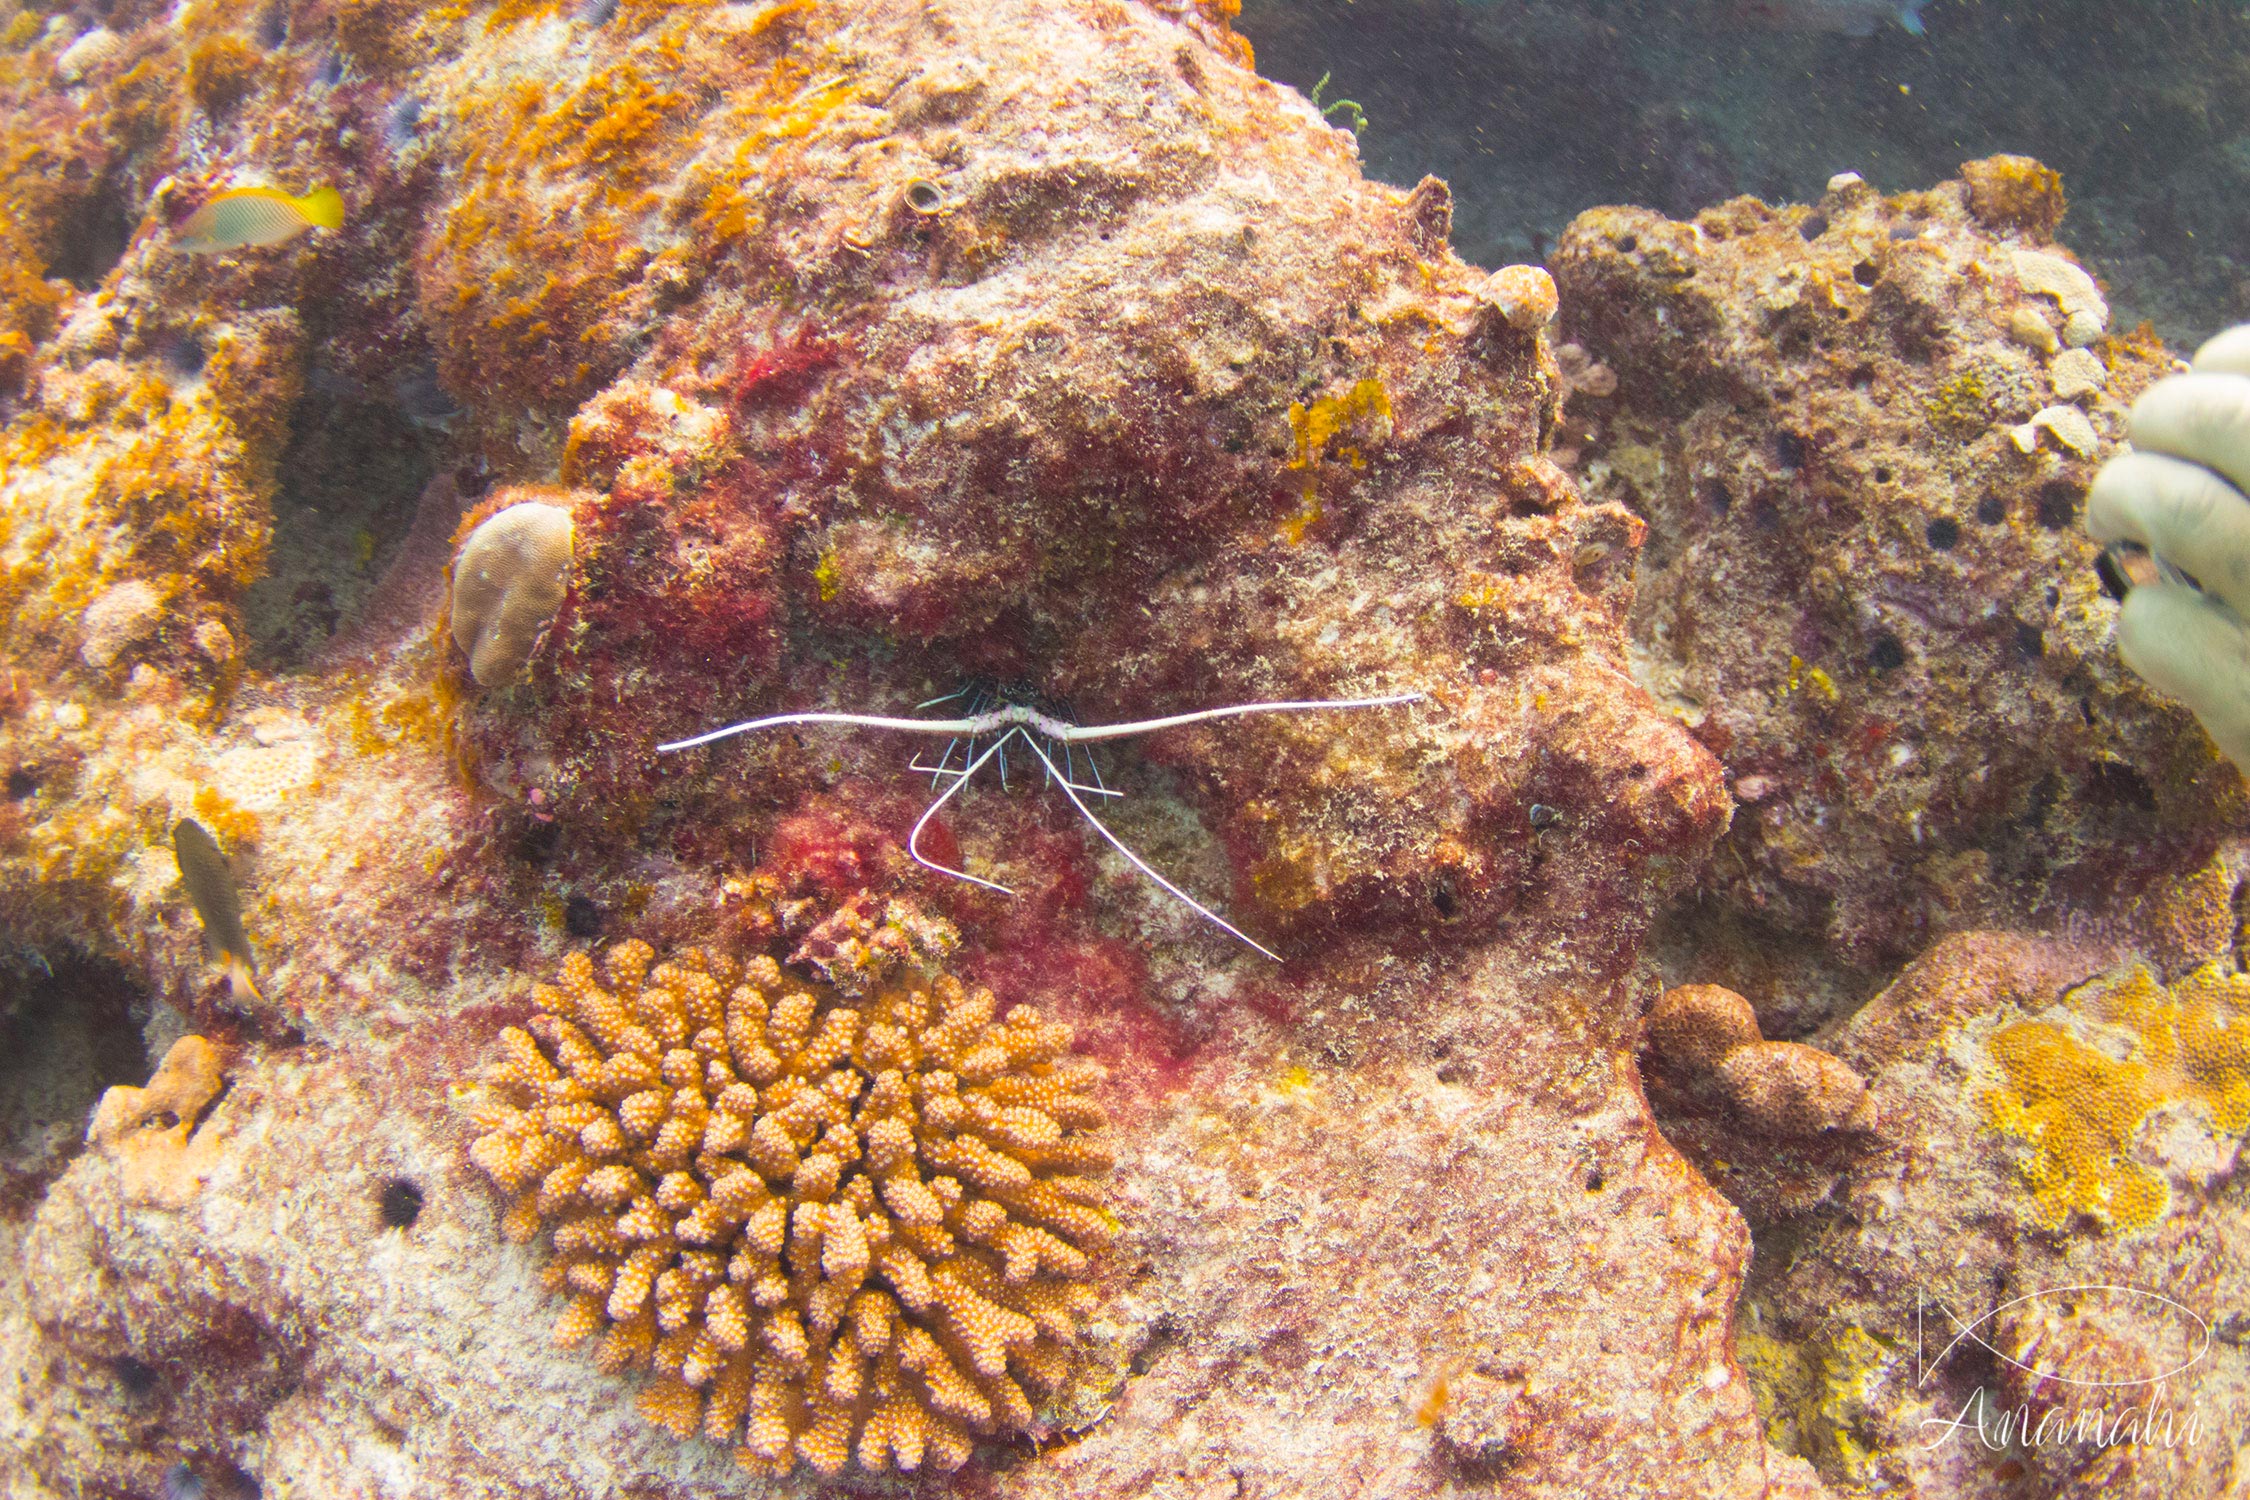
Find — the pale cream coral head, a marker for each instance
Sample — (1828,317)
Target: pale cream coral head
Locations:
(508,580)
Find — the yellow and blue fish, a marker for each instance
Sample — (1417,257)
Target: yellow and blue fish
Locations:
(243,217)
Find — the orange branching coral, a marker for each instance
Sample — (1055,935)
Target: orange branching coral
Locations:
(830,1229)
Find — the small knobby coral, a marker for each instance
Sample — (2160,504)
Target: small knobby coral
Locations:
(862,1226)
(1782,1088)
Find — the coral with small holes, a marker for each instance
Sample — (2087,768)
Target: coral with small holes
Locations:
(1707,1036)
(830,1230)
(1861,431)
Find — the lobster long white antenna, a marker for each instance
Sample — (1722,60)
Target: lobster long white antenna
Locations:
(1079,734)
(1141,864)
(1020,720)
(1023,716)
(981,724)
(914,839)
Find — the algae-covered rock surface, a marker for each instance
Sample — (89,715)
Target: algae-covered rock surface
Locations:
(871,351)
(570,1117)
(1861,431)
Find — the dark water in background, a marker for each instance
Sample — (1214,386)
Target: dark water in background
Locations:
(1535,109)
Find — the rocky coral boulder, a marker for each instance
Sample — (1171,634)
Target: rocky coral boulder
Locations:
(2028,1276)
(1861,431)
(885,346)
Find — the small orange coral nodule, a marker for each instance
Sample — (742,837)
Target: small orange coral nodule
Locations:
(830,1229)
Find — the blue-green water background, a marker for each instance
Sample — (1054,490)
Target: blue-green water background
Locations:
(1536,109)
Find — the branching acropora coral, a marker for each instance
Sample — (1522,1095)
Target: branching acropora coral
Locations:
(829,1229)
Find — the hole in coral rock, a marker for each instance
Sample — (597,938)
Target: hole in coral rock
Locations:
(1448,905)
(70,1027)
(1717,495)
(1594,1180)
(93,238)
(400,1203)
(1943,533)
(1882,472)
(1628,243)
(582,918)
(2115,785)
(22,782)
(2058,504)
(1992,510)
(1813,226)
(137,1376)
(1887,654)
(2031,641)
(1867,273)
(185,356)
(357,462)
(536,842)
(1789,450)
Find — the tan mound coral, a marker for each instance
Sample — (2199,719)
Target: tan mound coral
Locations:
(508,580)
(1788,1088)
(829,1230)
(1710,1034)
(1696,1025)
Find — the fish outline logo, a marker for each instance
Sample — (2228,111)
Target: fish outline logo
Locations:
(1967,1332)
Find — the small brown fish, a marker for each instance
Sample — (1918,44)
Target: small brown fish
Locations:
(210,885)
(244,217)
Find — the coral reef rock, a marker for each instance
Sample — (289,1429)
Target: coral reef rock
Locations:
(1772,1123)
(883,347)
(2025,1282)
(1861,432)
(1710,1035)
